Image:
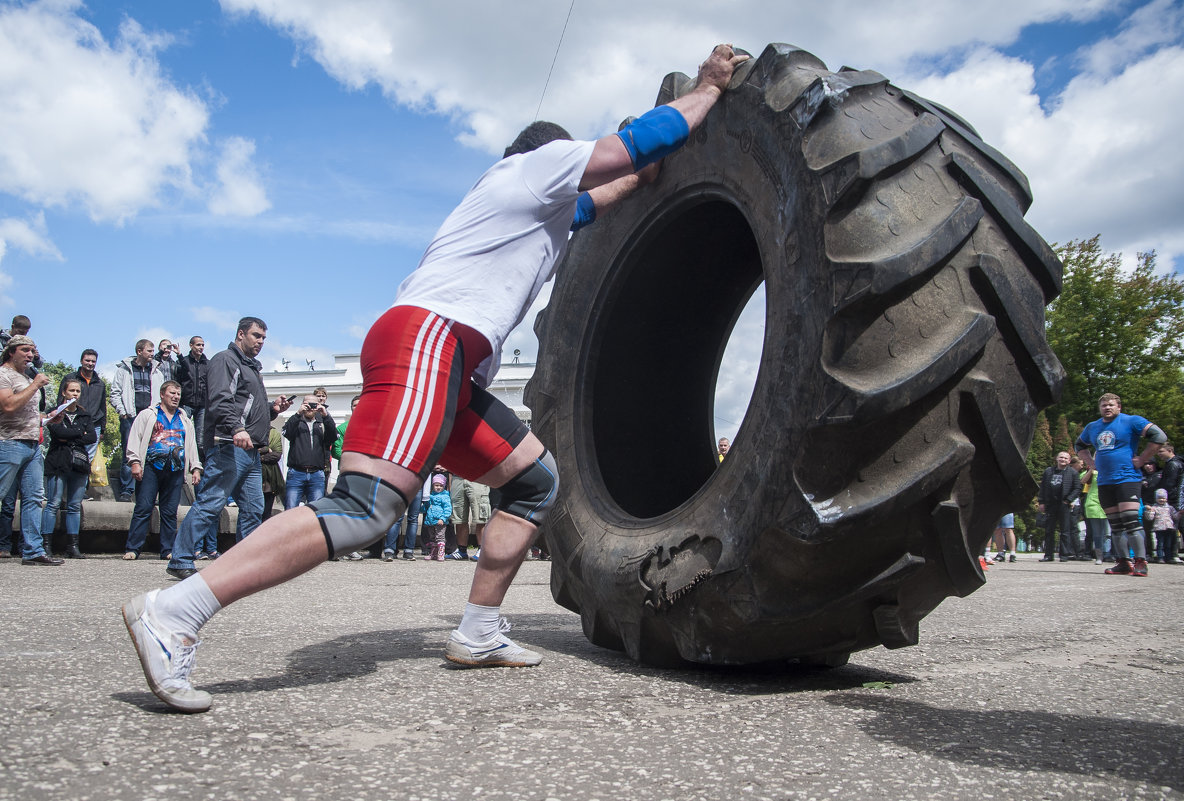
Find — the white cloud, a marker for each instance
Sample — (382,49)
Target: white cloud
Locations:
(1104,159)
(154,333)
(486,64)
(239,192)
(221,319)
(1158,23)
(89,121)
(31,236)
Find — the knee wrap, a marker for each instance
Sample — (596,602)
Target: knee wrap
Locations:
(529,494)
(1128,521)
(360,509)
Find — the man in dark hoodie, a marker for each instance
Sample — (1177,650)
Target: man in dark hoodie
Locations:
(1059,488)
(238,418)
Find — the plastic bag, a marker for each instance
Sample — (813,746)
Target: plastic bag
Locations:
(98,469)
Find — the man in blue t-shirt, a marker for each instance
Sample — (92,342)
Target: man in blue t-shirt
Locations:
(1114,438)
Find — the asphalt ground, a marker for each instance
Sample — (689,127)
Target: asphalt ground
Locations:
(1053,681)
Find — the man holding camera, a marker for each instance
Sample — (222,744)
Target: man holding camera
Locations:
(237,421)
(312,432)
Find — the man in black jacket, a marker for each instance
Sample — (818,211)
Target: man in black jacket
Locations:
(94,395)
(312,432)
(192,373)
(1059,488)
(236,426)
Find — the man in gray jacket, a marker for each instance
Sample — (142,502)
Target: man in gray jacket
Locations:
(237,421)
(134,387)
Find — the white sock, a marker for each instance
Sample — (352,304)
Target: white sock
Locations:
(480,623)
(187,606)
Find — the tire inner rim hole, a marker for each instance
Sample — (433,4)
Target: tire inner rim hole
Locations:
(670,304)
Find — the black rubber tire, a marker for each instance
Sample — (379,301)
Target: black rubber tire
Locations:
(904,361)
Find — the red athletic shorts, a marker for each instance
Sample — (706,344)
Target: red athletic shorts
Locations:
(419,405)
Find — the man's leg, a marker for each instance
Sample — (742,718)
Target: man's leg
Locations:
(294,488)
(248,491)
(127,485)
(55,488)
(146,491)
(8,509)
(292,542)
(1050,534)
(368,498)
(169,483)
(1066,541)
(506,537)
(33,504)
(412,532)
(220,474)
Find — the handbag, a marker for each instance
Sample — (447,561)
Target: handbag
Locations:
(79,461)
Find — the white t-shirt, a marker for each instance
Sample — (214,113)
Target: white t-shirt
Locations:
(494,252)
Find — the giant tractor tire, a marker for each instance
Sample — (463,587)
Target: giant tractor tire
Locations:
(904,361)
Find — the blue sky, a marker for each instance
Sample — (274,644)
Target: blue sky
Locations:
(168,167)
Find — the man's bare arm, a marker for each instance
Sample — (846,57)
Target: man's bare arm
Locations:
(11,401)
(610,158)
(605,196)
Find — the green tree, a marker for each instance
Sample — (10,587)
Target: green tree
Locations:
(1118,331)
(1040,455)
(1065,436)
(56,371)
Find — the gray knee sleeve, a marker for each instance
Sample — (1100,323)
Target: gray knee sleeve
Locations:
(1128,521)
(359,511)
(529,494)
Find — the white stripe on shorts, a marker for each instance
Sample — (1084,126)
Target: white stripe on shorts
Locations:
(405,435)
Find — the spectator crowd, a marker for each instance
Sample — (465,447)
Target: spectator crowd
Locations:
(193,427)
(201,428)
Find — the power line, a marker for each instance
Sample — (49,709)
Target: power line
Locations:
(554,59)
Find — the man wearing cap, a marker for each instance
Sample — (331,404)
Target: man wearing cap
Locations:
(21,462)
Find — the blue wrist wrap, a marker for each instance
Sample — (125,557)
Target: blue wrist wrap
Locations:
(585,212)
(654,135)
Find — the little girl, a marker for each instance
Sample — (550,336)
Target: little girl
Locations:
(437,517)
(1163,523)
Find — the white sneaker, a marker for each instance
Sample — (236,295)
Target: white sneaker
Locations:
(501,651)
(166,657)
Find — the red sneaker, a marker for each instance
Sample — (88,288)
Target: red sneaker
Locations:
(1122,568)
(1140,568)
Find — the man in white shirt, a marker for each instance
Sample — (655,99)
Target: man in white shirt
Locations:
(425,364)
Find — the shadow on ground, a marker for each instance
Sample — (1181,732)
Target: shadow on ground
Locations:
(1138,751)
(353,656)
